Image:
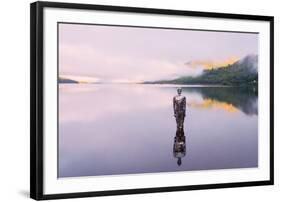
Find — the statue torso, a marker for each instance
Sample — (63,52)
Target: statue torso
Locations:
(179,104)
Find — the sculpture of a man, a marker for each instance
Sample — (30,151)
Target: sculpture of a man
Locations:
(179,103)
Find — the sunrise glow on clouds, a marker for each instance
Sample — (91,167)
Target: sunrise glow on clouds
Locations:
(212,64)
(90,53)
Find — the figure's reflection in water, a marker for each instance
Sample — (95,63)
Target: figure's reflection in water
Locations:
(179,149)
(179,104)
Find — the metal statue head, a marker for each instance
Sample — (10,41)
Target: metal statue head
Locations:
(179,90)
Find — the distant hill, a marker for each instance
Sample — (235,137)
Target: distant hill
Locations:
(242,72)
(64,80)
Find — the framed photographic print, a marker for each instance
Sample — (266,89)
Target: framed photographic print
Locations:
(131,100)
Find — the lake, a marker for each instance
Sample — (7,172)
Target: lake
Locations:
(107,129)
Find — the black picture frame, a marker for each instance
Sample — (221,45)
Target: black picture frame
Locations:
(37,101)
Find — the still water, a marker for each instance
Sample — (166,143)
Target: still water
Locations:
(126,129)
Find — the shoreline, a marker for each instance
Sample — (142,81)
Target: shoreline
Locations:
(163,85)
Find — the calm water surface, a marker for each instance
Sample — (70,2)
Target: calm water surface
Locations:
(126,129)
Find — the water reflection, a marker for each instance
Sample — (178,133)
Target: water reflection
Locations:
(222,125)
(230,99)
(179,149)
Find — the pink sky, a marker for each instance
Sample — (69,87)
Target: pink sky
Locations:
(126,54)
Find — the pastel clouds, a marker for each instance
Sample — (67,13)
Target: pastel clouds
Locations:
(116,54)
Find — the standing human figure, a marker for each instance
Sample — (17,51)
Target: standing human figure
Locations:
(179,103)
